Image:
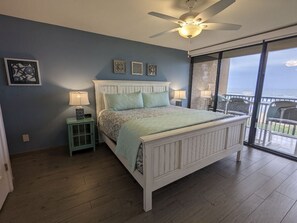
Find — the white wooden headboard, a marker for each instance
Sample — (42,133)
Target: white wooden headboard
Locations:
(122,87)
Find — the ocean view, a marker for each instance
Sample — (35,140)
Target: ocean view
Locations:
(286,93)
(280,78)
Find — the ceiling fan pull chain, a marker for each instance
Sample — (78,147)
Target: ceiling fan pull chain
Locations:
(189,47)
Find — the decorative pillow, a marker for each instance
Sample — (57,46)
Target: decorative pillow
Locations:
(120,102)
(158,99)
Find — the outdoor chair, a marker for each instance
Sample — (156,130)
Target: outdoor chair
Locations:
(281,119)
(222,103)
(238,106)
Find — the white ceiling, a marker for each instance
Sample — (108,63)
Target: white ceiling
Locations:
(128,19)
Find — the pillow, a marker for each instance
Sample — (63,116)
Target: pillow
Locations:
(120,102)
(159,99)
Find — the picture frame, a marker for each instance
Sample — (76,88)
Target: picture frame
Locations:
(151,70)
(119,66)
(136,68)
(22,72)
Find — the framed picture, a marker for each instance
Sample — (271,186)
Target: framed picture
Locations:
(151,70)
(22,72)
(137,68)
(119,66)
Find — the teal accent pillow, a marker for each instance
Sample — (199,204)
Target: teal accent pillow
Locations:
(120,102)
(158,99)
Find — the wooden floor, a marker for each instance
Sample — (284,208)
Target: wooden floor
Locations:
(94,187)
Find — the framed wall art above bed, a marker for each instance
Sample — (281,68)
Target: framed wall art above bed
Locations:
(151,70)
(136,68)
(119,66)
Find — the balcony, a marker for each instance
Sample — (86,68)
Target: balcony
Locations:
(278,134)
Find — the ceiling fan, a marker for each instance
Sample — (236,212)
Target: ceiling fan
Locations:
(191,23)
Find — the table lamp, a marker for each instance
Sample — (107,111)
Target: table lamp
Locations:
(78,99)
(179,95)
(206,94)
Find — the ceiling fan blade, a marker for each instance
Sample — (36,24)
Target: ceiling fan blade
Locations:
(213,10)
(219,26)
(166,17)
(167,31)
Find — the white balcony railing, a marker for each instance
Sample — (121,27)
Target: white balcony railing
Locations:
(280,129)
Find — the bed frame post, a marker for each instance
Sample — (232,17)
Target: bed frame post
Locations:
(148,177)
(147,200)
(238,158)
(241,139)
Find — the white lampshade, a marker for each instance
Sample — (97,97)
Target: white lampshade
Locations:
(206,94)
(78,98)
(180,94)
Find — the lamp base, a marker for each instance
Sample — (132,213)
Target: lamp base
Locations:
(79,113)
(179,103)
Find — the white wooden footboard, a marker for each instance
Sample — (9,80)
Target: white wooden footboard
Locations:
(172,155)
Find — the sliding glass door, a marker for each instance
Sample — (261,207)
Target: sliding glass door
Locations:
(277,112)
(259,81)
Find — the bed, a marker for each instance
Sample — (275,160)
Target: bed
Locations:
(171,155)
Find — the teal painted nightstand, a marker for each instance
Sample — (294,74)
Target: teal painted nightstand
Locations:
(81,134)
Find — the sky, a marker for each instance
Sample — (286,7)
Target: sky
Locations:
(280,80)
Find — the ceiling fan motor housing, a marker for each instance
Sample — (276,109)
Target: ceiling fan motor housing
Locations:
(188,17)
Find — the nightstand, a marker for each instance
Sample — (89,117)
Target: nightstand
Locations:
(81,134)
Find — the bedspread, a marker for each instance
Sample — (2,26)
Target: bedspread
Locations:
(128,141)
(110,122)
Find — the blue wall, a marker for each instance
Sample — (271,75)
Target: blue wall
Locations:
(69,60)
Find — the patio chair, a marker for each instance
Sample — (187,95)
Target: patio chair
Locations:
(277,107)
(281,119)
(238,106)
(222,103)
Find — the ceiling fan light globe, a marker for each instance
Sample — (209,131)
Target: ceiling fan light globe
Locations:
(189,31)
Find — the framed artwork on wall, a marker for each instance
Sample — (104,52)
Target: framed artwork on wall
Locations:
(119,66)
(136,68)
(21,72)
(151,70)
